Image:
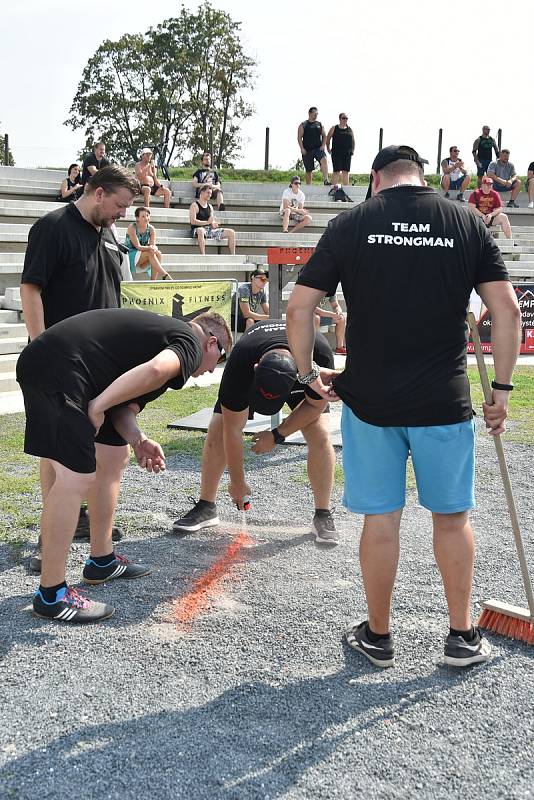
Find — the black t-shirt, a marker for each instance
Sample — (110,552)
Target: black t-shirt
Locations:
(92,161)
(407,261)
(238,375)
(82,355)
(206,175)
(77,267)
(312,136)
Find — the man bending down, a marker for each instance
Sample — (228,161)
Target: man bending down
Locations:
(261,376)
(84,381)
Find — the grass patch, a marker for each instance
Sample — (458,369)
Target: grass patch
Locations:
(521,408)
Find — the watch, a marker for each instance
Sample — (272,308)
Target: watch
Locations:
(503,387)
(277,436)
(311,376)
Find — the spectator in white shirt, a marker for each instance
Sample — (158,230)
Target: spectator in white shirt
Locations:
(292,207)
(455,175)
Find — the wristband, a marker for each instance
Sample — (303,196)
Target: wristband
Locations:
(310,376)
(503,387)
(277,436)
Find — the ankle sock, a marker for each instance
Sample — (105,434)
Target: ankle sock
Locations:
(467,636)
(103,561)
(322,512)
(49,593)
(375,637)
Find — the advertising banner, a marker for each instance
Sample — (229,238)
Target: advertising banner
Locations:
(525,298)
(180,299)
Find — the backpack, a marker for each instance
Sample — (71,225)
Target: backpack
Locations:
(339,194)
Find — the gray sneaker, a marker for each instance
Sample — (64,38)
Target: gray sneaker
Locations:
(202,515)
(324,528)
(459,653)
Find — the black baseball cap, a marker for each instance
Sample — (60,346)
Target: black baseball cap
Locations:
(394,152)
(274,378)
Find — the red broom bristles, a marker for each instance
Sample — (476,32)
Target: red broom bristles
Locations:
(505,625)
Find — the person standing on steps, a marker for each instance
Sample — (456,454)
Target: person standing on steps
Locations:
(311,137)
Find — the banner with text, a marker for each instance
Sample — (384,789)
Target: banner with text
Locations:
(180,299)
(525,298)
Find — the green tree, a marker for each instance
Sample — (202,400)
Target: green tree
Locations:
(10,159)
(174,84)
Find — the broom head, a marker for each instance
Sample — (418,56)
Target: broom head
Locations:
(511,621)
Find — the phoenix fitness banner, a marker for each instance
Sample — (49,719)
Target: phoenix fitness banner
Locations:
(180,299)
(525,298)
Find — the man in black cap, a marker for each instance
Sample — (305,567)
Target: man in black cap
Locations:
(407,261)
(261,376)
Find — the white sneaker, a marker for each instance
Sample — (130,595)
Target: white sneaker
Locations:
(531,204)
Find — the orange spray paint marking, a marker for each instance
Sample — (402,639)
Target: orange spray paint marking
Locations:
(186,608)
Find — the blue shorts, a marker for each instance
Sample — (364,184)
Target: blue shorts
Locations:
(483,167)
(374,463)
(499,188)
(457,184)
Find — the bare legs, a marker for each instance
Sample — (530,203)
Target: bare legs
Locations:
(153,257)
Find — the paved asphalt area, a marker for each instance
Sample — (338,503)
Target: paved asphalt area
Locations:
(256,696)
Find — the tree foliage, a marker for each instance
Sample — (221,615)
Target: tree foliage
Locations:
(10,160)
(174,84)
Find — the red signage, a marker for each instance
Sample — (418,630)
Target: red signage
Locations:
(525,298)
(292,256)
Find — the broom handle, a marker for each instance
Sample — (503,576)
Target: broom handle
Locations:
(486,388)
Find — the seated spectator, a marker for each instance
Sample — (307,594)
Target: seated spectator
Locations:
(487,205)
(292,207)
(94,161)
(324,317)
(252,302)
(147,176)
(141,243)
(502,173)
(311,137)
(71,187)
(529,185)
(482,152)
(206,176)
(342,139)
(204,225)
(455,175)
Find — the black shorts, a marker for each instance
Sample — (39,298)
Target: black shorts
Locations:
(310,158)
(57,428)
(153,188)
(294,399)
(341,162)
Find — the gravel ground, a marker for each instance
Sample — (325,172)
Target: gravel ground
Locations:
(257,697)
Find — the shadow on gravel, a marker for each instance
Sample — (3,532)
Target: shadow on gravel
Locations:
(253,741)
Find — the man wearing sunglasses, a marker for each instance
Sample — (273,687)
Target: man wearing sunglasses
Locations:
(455,176)
(261,376)
(84,381)
(253,305)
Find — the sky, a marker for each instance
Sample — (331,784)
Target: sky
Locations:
(408,67)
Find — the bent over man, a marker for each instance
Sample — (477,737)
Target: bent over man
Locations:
(404,391)
(261,376)
(84,381)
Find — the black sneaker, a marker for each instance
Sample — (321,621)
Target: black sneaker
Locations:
(512,204)
(202,515)
(82,528)
(324,528)
(222,207)
(70,606)
(459,653)
(381,653)
(120,567)
(447,195)
(460,197)
(327,183)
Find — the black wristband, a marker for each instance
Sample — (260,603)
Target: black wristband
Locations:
(277,436)
(503,387)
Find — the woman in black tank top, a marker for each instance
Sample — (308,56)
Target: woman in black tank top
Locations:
(340,143)
(71,187)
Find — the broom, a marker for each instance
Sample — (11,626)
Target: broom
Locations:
(507,620)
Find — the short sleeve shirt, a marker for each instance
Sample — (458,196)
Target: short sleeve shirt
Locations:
(486,203)
(83,355)
(238,375)
(295,200)
(503,171)
(204,175)
(255,301)
(92,161)
(407,261)
(77,267)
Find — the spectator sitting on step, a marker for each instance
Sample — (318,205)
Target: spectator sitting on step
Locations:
(71,187)
(455,175)
(486,204)
(327,313)
(146,174)
(529,185)
(94,161)
(483,148)
(292,207)
(206,176)
(141,243)
(504,177)
(204,225)
(252,302)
